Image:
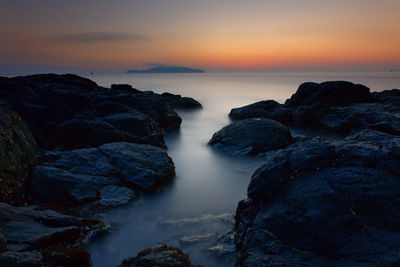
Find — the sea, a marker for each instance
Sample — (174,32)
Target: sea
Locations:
(202,199)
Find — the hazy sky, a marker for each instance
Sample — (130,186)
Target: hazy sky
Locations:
(210,34)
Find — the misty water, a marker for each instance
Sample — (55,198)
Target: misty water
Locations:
(208,185)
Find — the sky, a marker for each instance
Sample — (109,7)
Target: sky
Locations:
(216,35)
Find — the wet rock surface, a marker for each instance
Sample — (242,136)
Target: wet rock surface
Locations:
(324,203)
(332,200)
(109,173)
(252,136)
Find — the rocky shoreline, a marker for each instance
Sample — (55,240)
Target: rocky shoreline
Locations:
(70,148)
(328,200)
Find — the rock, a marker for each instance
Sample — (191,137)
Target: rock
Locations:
(269,109)
(3,243)
(324,203)
(125,87)
(62,256)
(71,112)
(18,155)
(161,256)
(224,248)
(113,195)
(102,173)
(178,101)
(330,93)
(252,136)
(29,228)
(21,259)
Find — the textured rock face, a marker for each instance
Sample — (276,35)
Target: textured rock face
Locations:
(269,109)
(160,256)
(324,204)
(102,173)
(73,112)
(18,155)
(252,136)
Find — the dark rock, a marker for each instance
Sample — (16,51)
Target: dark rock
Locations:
(330,93)
(21,259)
(66,110)
(324,203)
(62,256)
(3,243)
(252,136)
(178,101)
(125,87)
(269,109)
(27,228)
(98,173)
(18,155)
(160,256)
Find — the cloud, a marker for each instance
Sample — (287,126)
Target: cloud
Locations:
(97,37)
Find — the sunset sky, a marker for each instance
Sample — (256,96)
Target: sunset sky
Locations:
(210,34)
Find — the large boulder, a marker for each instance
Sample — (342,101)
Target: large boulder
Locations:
(324,203)
(252,136)
(269,109)
(18,155)
(330,93)
(159,256)
(69,111)
(102,173)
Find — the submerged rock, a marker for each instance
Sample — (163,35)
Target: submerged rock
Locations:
(324,203)
(269,109)
(18,155)
(252,136)
(102,173)
(160,256)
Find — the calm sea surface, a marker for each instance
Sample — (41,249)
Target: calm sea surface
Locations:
(207,182)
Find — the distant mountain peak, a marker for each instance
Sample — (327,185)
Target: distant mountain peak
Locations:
(167,69)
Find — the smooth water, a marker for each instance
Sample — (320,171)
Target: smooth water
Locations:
(208,182)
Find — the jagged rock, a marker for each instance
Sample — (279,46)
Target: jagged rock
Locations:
(252,136)
(160,256)
(102,173)
(269,109)
(324,203)
(18,155)
(70,112)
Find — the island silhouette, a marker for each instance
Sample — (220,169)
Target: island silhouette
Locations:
(167,69)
